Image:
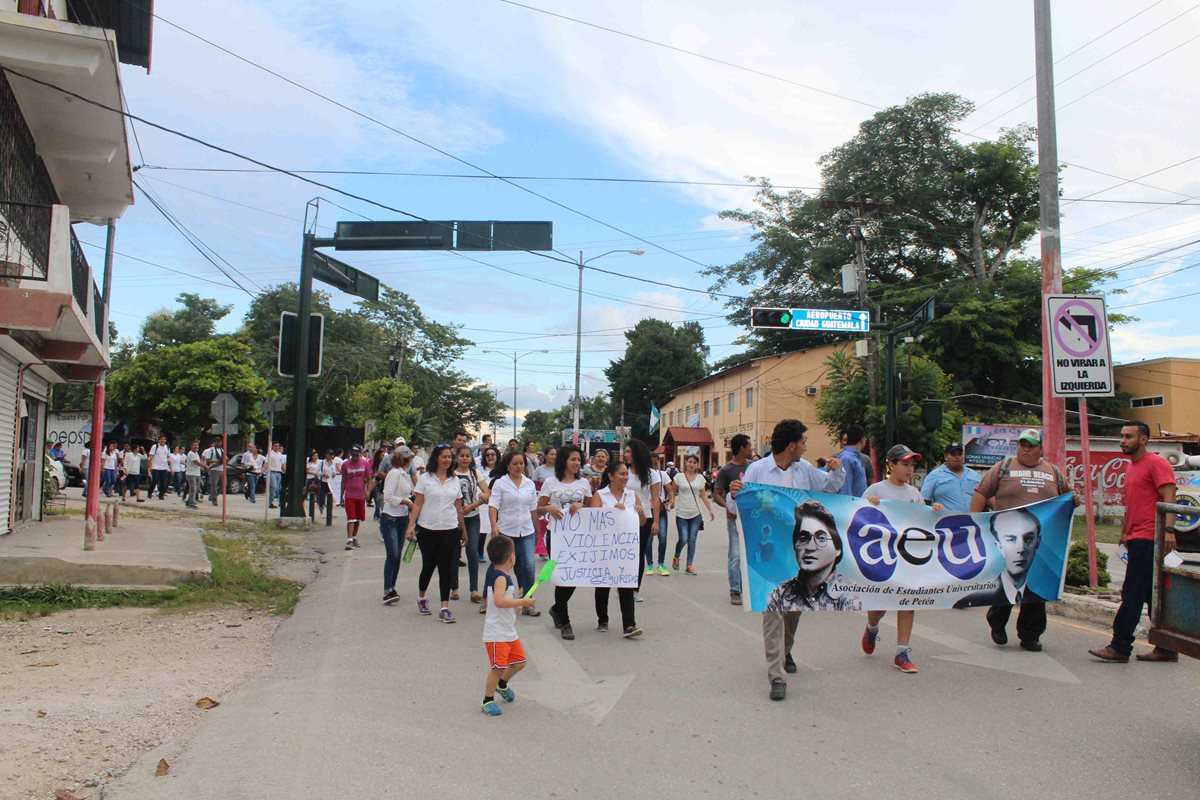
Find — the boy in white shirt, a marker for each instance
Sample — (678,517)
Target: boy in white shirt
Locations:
(506,656)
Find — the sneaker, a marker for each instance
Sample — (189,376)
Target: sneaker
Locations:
(735,599)
(490,708)
(868,640)
(691,570)
(602,627)
(778,690)
(649,569)
(662,570)
(446,615)
(567,632)
(349,544)
(1032,645)
(554,618)
(354,541)
(675,563)
(789,664)
(903,663)
(391,598)
(423,606)
(637,597)
(632,632)
(508,694)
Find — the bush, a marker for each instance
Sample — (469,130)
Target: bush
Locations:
(1077,566)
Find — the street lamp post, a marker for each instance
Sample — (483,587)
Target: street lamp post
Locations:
(515,357)
(579,337)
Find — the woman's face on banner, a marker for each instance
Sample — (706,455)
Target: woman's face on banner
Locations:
(815,549)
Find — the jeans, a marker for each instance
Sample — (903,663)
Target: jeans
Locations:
(273,486)
(662,542)
(526,574)
(158,482)
(393,530)
(1136,593)
(644,544)
(85,481)
(735,557)
(193,483)
(178,483)
(251,485)
(108,479)
(689,529)
(474,546)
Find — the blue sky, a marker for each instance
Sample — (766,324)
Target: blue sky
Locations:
(523,93)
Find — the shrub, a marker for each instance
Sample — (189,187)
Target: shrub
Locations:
(1077,565)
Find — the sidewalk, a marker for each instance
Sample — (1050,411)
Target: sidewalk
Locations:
(139,553)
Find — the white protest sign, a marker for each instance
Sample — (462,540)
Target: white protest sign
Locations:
(1080,357)
(596,547)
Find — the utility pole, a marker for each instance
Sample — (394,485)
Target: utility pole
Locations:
(1053,408)
(864,303)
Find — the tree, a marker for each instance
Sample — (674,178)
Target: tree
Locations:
(176,385)
(538,427)
(195,322)
(548,427)
(388,402)
(658,357)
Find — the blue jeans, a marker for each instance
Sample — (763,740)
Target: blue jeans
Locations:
(662,541)
(273,487)
(525,555)
(735,558)
(689,529)
(108,479)
(1136,594)
(474,546)
(251,485)
(393,530)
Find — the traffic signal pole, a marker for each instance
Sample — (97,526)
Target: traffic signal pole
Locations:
(292,502)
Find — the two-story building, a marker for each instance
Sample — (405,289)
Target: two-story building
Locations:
(64,162)
(1166,394)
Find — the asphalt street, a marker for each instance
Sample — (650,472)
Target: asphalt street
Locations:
(364,700)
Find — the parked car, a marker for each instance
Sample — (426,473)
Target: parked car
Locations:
(60,477)
(236,482)
(74,474)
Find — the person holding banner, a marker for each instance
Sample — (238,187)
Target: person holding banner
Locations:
(1027,478)
(785,467)
(563,493)
(513,509)
(617,495)
(901,463)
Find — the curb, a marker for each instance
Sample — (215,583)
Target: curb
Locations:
(1091,610)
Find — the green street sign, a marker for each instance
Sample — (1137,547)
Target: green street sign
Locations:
(486,235)
(345,277)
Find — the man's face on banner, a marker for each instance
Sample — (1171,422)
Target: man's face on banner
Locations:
(1018,537)
(815,550)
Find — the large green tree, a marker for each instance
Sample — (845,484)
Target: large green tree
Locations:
(658,357)
(547,427)
(194,322)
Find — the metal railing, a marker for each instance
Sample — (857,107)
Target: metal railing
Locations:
(80,274)
(24,240)
(99,313)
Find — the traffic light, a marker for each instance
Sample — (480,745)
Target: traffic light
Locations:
(778,318)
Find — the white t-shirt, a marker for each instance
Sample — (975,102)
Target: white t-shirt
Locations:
(663,480)
(886,490)
(84,457)
(213,454)
(687,498)
(312,468)
(328,470)
(469,483)
(253,461)
(275,461)
(132,463)
(192,459)
(543,473)
(500,624)
(109,460)
(160,455)
(643,492)
(560,495)
(514,506)
(175,462)
(608,499)
(438,512)
(397,486)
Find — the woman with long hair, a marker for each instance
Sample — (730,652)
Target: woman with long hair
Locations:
(133,472)
(108,468)
(544,472)
(439,530)
(616,494)
(565,493)
(474,486)
(393,519)
(689,494)
(513,508)
(531,458)
(644,482)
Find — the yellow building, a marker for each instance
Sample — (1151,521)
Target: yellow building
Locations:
(1166,394)
(751,398)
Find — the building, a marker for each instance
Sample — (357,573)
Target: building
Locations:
(63,162)
(1166,394)
(751,398)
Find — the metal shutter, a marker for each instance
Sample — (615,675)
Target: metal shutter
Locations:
(36,386)
(8,437)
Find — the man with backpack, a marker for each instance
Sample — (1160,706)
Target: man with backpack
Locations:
(1018,481)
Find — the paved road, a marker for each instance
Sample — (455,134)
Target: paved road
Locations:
(368,701)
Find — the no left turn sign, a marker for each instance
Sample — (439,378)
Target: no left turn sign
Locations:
(1080,356)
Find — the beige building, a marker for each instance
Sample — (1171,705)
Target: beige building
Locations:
(1166,394)
(752,397)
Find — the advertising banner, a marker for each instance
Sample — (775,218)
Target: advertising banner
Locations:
(810,551)
(596,547)
(984,445)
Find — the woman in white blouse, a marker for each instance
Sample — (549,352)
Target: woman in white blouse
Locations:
(513,508)
(474,486)
(393,518)
(437,512)
(564,493)
(689,494)
(644,481)
(617,495)
(132,463)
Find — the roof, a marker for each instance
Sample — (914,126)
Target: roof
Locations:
(688,436)
(752,361)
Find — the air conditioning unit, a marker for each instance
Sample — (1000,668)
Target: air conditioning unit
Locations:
(811,391)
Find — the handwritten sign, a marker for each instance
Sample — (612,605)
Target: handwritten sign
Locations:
(596,547)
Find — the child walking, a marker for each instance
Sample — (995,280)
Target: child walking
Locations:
(506,656)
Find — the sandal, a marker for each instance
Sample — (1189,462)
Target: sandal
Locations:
(476,597)
(454,594)
(530,612)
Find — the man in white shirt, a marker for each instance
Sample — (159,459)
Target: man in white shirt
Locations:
(253,462)
(276,463)
(212,456)
(160,465)
(785,467)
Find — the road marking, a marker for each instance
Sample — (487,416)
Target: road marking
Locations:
(563,685)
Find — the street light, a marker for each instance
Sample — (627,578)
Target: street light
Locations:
(515,357)
(579,336)
(496,390)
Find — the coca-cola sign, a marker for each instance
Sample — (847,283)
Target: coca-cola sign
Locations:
(1108,474)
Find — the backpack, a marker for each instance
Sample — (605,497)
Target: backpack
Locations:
(1060,479)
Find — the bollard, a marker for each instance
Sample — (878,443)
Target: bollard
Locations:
(102,532)
(328,511)
(89,534)
(312,507)
(116,520)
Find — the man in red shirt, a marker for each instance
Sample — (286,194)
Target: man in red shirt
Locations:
(356,476)
(1148,479)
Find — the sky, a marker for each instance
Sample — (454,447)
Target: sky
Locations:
(477,86)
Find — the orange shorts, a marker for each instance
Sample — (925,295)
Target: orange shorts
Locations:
(502,655)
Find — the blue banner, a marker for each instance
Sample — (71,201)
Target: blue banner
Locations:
(810,551)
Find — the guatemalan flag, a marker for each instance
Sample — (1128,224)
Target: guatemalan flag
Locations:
(654,418)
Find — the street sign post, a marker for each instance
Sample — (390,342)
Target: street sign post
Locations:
(225,411)
(817,320)
(1081,366)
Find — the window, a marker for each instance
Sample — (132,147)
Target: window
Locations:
(750,397)
(1146,402)
(706,409)
(731,402)
(717,407)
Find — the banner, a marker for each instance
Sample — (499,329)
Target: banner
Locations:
(596,547)
(810,551)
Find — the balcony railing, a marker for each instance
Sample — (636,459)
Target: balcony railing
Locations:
(24,240)
(99,312)
(80,274)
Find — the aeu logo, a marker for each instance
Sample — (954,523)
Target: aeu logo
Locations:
(877,546)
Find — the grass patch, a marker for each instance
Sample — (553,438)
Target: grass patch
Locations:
(236,580)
